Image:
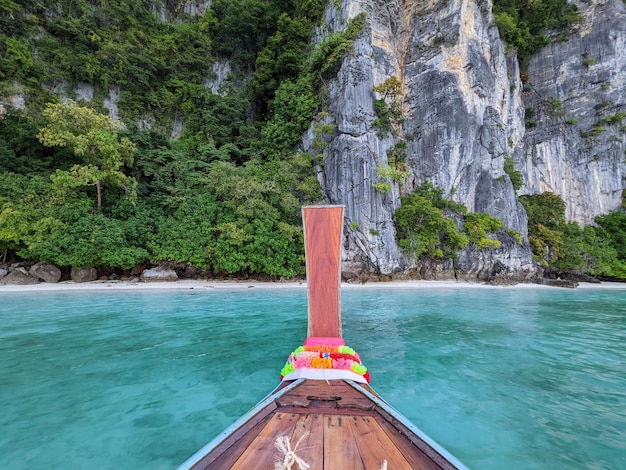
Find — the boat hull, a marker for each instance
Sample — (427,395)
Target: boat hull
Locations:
(328,425)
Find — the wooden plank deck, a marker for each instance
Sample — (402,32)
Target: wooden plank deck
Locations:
(336,435)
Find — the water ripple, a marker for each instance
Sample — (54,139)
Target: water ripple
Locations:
(503,378)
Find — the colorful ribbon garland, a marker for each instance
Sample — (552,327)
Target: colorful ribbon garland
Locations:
(323,356)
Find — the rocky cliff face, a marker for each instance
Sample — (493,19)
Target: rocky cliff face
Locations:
(463,109)
(575,93)
(461,115)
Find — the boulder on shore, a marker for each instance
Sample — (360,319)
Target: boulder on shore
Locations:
(84,274)
(19,277)
(159,273)
(45,272)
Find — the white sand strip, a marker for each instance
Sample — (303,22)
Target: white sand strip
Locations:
(211,284)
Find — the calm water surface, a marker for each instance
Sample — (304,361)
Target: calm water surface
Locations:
(503,378)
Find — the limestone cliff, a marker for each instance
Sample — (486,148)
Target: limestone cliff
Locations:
(575,100)
(461,115)
(463,110)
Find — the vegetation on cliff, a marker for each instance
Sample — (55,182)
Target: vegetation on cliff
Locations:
(205,178)
(221,192)
(597,250)
(427,226)
(524,24)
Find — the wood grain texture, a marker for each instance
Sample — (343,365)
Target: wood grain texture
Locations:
(374,445)
(340,448)
(412,453)
(341,431)
(262,453)
(229,450)
(323,229)
(310,448)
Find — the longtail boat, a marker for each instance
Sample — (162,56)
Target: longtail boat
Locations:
(323,415)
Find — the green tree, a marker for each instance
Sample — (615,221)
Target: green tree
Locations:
(14,227)
(22,153)
(7,5)
(95,138)
(388,107)
(523,23)
(556,242)
(326,58)
(613,228)
(517,179)
(188,236)
(81,239)
(424,229)
(292,110)
(26,206)
(546,222)
(242,27)
(282,58)
(427,224)
(257,231)
(477,225)
(591,250)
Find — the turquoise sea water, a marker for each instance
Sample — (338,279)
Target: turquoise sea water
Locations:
(504,378)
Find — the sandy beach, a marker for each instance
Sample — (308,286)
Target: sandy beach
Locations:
(212,284)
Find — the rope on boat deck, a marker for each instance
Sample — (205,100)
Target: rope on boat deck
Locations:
(282,444)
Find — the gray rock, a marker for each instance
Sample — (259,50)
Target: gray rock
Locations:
(573,86)
(463,108)
(159,274)
(84,274)
(461,117)
(45,272)
(3,272)
(18,277)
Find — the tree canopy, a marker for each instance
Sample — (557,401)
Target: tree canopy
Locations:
(185,173)
(523,24)
(95,139)
(204,172)
(598,250)
(427,225)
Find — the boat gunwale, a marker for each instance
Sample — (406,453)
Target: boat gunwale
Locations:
(253,413)
(252,433)
(444,456)
(269,405)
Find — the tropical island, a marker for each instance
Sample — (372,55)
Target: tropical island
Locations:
(180,139)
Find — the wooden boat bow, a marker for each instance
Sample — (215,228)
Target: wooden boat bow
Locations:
(328,418)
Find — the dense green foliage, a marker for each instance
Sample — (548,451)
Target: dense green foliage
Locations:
(478,225)
(78,237)
(523,23)
(221,192)
(599,250)
(213,179)
(427,225)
